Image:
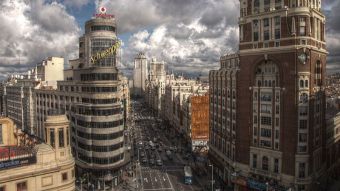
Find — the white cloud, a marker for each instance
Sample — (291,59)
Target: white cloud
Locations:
(189,35)
(32,31)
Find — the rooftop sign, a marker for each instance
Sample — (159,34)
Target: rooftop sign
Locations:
(102,13)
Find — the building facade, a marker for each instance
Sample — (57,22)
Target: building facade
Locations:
(155,85)
(140,75)
(195,111)
(18,92)
(95,96)
(46,166)
(267,103)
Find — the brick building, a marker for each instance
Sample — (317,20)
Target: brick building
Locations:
(267,102)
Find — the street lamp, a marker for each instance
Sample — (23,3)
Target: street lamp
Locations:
(212,177)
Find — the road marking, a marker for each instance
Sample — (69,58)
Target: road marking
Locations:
(172,187)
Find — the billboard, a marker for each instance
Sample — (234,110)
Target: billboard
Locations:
(200,117)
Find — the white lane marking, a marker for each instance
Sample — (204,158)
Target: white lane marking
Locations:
(172,187)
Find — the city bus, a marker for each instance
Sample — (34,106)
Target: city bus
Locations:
(187,175)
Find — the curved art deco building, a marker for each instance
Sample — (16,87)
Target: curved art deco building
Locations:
(98,118)
(93,96)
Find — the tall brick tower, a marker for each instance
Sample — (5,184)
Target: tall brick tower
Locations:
(277,133)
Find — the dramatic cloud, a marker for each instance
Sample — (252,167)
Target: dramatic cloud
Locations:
(189,36)
(332,11)
(32,31)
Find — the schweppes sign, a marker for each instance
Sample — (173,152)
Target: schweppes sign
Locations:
(106,53)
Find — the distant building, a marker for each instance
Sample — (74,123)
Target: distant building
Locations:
(18,92)
(333,141)
(140,74)
(46,166)
(155,85)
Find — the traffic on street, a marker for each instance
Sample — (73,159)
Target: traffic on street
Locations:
(162,163)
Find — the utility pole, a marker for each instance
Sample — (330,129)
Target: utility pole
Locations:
(212,177)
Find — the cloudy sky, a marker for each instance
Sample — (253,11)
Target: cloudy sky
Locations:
(190,35)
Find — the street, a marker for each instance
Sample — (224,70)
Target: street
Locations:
(159,161)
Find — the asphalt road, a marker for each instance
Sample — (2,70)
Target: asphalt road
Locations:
(152,177)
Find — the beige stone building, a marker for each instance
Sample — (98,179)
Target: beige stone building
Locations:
(45,166)
(18,99)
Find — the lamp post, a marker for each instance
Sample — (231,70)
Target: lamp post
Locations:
(212,177)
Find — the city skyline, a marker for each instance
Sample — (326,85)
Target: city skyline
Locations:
(189,36)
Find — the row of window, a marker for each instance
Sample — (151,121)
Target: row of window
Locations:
(100,101)
(61,136)
(95,148)
(265,163)
(98,77)
(103,161)
(112,124)
(100,136)
(266,29)
(98,89)
(102,28)
(99,112)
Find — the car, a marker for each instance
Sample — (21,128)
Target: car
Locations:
(159,162)
(152,161)
(160,149)
(142,154)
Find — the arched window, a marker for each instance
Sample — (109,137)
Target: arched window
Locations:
(301,83)
(306,83)
(265,162)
